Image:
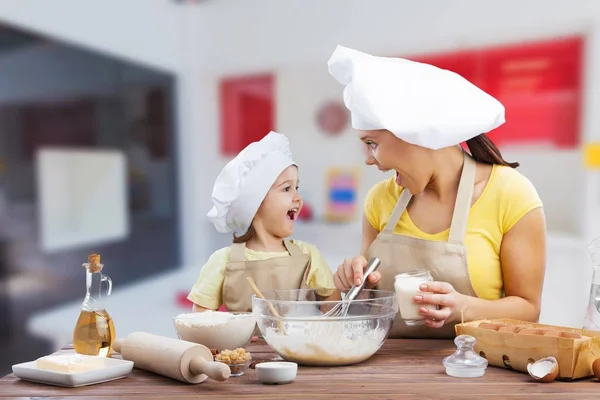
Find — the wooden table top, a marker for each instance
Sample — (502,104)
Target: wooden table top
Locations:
(402,369)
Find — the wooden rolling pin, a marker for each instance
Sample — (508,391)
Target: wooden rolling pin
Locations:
(185,361)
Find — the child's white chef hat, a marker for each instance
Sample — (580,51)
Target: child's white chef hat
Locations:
(244,182)
(419,103)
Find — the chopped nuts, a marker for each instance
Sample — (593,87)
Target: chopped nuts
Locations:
(232,357)
(238,360)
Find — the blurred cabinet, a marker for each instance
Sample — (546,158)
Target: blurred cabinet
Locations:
(157,119)
(539,83)
(5,300)
(69,123)
(247,111)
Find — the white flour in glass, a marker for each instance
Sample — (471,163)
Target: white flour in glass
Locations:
(327,343)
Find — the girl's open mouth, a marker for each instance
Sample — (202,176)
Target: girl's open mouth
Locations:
(292,214)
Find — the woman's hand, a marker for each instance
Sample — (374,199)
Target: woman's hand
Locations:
(350,273)
(448,301)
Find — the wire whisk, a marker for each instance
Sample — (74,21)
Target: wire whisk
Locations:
(341,309)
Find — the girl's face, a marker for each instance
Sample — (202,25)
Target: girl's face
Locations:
(412,163)
(281,206)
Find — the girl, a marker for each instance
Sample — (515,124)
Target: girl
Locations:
(257,194)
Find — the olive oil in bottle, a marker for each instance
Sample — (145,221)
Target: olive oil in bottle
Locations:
(94,332)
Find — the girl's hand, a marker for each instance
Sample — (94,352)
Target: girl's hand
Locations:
(448,301)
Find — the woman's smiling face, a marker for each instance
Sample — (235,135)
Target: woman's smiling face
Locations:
(412,163)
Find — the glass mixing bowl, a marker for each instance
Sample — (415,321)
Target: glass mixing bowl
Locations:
(302,333)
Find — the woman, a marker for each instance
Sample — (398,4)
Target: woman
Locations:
(472,220)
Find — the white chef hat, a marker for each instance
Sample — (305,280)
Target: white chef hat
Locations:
(244,182)
(419,103)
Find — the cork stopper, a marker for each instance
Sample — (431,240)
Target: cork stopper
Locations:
(94,262)
(94,258)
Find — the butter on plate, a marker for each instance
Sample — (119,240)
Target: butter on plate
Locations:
(69,363)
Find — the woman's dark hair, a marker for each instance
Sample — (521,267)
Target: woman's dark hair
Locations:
(245,237)
(485,151)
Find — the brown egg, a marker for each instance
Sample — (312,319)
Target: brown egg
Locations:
(509,328)
(533,331)
(553,333)
(571,335)
(543,370)
(488,325)
(552,330)
(527,331)
(596,368)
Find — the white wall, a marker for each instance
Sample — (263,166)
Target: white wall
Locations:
(300,93)
(295,39)
(560,180)
(139,30)
(271,34)
(217,38)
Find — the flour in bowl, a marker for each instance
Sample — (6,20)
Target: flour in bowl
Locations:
(215,329)
(327,343)
(209,318)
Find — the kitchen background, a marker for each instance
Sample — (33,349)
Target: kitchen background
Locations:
(116,117)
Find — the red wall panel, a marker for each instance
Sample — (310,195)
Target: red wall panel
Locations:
(247,111)
(70,124)
(539,83)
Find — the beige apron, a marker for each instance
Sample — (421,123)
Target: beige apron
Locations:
(279,273)
(446,261)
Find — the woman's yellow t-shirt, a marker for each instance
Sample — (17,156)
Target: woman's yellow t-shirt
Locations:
(506,198)
(208,290)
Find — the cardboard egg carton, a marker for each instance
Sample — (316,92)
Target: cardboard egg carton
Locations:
(509,343)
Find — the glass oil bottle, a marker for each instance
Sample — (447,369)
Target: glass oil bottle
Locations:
(94,332)
(592,316)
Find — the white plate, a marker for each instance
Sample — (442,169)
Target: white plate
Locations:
(113,369)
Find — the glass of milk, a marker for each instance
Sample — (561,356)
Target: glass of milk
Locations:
(406,286)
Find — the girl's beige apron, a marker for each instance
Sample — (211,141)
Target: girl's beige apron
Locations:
(279,273)
(447,261)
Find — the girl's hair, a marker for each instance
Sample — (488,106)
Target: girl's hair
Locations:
(245,237)
(485,151)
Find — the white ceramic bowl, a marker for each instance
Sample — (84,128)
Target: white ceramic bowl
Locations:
(276,372)
(215,329)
